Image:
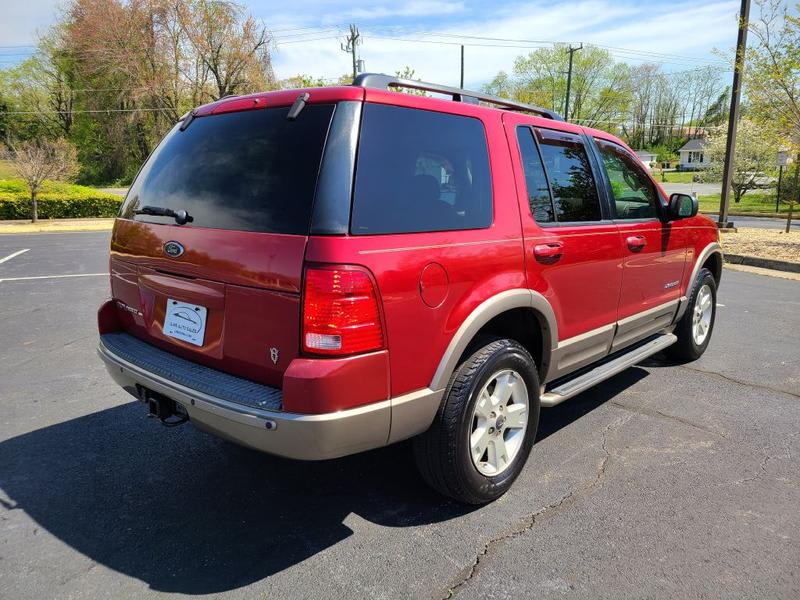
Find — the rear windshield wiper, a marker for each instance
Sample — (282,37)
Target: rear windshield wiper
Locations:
(181,216)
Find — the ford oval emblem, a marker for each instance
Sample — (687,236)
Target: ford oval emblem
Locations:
(173,249)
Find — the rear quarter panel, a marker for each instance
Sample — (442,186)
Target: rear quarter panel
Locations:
(478,263)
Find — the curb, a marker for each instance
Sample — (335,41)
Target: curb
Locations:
(758,215)
(764,263)
(56,226)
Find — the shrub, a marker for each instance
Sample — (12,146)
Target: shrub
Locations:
(56,201)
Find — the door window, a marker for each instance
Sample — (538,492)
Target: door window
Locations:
(535,179)
(634,193)
(567,165)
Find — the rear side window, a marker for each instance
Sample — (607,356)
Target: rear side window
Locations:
(420,171)
(567,163)
(249,171)
(535,178)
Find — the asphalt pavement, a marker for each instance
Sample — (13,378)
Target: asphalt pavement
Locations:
(759,222)
(702,189)
(665,481)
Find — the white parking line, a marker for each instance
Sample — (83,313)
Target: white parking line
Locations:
(10,256)
(54,277)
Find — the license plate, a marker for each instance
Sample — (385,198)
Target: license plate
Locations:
(185,321)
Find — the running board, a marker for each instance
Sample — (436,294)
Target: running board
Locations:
(583,382)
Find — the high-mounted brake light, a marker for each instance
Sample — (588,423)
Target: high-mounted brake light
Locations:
(340,312)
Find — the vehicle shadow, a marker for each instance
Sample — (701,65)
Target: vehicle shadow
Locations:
(188,513)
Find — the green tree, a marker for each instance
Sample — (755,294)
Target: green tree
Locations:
(773,79)
(38,160)
(600,87)
(410,74)
(755,154)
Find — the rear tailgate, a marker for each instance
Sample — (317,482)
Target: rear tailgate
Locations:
(222,289)
(249,288)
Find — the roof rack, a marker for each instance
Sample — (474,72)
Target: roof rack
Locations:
(381,81)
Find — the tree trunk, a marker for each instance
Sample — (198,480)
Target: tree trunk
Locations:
(34,207)
(789,217)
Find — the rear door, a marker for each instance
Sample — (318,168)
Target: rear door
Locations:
(223,289)
(572,251)
(654,251)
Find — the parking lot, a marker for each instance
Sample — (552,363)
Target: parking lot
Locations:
(665,481)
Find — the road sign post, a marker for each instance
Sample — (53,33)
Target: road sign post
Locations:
(783,158)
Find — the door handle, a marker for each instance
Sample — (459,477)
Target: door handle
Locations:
(549,252)
(636,242)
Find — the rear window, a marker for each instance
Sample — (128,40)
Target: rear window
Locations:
(248,171)
(420,171)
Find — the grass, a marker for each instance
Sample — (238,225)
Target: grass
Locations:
(18,189)
(6,171)
(56,200)
(751,203)
(678,176)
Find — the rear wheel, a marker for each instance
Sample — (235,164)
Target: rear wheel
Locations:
(697,323)
(486,425)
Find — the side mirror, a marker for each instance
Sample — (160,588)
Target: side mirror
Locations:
(681,206)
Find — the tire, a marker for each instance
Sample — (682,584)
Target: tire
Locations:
(444,453)
(689,347)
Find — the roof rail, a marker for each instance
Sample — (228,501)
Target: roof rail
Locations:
(381,81)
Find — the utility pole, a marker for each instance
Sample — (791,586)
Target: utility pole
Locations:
(462,66)
(733,117)
(350,44)
(571,51)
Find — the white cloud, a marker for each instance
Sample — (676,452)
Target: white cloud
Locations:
(685,29)
(415,8)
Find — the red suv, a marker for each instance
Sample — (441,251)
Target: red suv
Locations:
(314,273)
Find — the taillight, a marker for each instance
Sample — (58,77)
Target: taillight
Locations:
(340,312)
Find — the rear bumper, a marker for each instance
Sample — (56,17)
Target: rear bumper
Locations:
(292,435)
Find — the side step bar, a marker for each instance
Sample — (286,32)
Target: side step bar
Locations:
(583,382)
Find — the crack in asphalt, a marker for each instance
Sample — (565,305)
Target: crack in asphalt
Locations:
(659,414)
(527,523)
(768,457)
(740,382)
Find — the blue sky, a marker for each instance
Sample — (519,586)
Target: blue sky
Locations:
(425,34)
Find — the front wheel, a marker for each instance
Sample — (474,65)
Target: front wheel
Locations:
(485,428)
(697,323)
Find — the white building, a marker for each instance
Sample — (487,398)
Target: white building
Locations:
(693,156)
(650,159)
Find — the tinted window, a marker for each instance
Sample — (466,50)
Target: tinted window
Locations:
(420,171)
(250,170)
(567,163)
(634,192)
(535,179)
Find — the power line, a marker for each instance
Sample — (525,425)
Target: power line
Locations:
(532,44)
(549,42)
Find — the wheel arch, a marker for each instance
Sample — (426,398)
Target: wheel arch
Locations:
(713,263)
(510,314)
(709,257)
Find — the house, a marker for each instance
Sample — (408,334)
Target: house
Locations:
(692,155)
(650,159)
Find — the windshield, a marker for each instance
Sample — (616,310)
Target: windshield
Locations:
(251,171)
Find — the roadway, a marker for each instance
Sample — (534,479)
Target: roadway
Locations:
(665,481)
